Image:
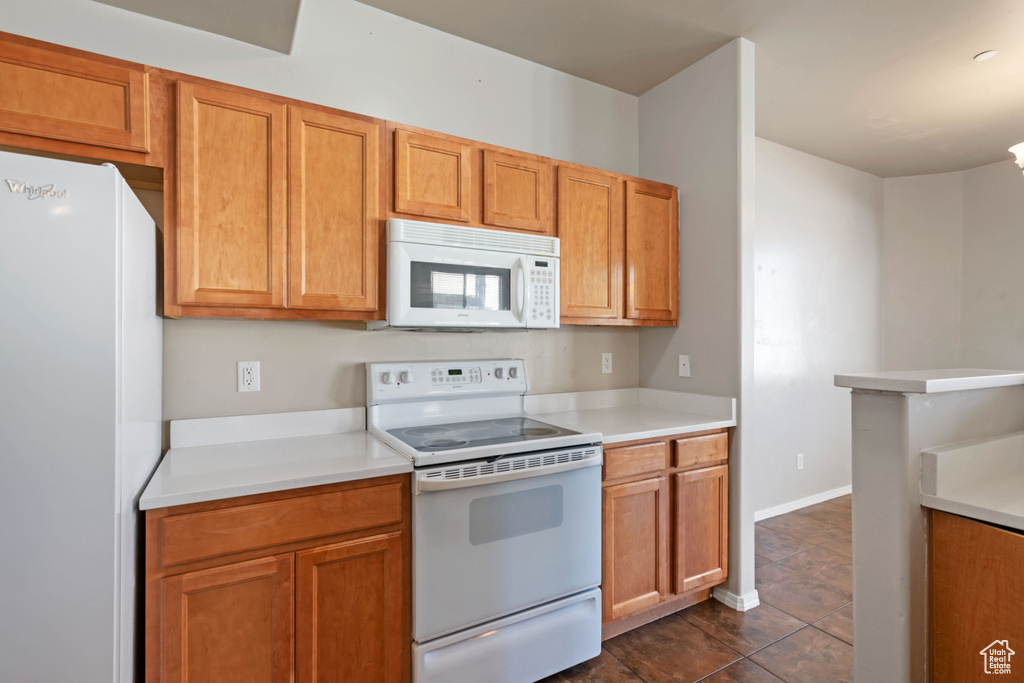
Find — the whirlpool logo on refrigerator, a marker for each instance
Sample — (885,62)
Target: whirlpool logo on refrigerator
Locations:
(35,191)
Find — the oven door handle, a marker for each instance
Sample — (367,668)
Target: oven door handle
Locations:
(424,485)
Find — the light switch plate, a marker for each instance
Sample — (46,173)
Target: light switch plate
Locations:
(684,366)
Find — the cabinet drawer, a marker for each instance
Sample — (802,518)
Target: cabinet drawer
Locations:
(632,460)
(700,450)
(199,535)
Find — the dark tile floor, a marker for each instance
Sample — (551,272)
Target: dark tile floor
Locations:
(801,631)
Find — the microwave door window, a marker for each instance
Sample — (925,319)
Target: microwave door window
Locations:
(444,285)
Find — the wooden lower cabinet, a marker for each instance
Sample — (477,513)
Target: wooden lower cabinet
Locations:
(230,623)
(635,571)
(665,526)
(977,600)
(314,585)
(700,525)
(349,610)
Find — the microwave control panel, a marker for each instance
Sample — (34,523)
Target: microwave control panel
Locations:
(542,292)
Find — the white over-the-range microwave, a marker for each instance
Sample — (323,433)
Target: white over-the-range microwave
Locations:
(450,277)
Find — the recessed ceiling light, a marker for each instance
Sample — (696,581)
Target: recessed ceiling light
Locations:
(987,54)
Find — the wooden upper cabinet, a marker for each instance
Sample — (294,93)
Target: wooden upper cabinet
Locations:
(518,192)
(701,528)
(334,211)
(590,227)
(433,176)
(55,95)
(350,623)
(652,251)
(229,623)
(232,175)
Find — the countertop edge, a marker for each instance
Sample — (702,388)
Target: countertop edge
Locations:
(667,431)
(918,382)
(237,491)
(1005,519)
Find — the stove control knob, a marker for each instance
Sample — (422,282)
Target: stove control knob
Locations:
(513,372)
(499,372)
(407,376)
(386,378)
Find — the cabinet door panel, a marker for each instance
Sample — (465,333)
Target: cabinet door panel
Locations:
(701,528)
(977,599)
(517,192)
(652,251)
(635,550)
(231,623)
(350,612)
(231,198)
(432,176)
(590,227)
(334,211)
(54,95)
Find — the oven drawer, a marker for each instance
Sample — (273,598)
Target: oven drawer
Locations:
(526,646)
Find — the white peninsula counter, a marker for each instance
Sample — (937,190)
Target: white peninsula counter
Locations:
(897,416)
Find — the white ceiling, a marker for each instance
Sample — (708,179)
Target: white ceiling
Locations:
(884,86)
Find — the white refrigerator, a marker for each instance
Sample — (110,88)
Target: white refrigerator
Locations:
(80,417)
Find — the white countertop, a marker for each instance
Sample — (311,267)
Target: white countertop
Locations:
(982,479)
(217,470)
(633,414)
(931,381)
(226,457)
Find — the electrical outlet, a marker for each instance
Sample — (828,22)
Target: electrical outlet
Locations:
(248,375)
(684,366)
(606,363)
(799,461)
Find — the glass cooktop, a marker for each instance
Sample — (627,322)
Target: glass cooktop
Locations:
(446,437)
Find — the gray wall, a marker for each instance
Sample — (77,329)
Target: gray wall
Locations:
(922,252)
(315,365)
(992,313)
(817,311)
(350,56)
(954,285)
(697,132)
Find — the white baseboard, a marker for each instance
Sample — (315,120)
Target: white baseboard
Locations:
(802,503)
(740,603)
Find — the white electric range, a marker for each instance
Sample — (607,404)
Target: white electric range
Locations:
(506,522)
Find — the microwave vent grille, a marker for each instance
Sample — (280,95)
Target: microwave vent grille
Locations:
(400,230)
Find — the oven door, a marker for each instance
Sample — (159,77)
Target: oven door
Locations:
(482,552)
(437,286)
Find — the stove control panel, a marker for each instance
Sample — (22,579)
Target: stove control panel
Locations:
(393,382)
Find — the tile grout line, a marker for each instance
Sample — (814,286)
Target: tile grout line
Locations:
(625,666)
